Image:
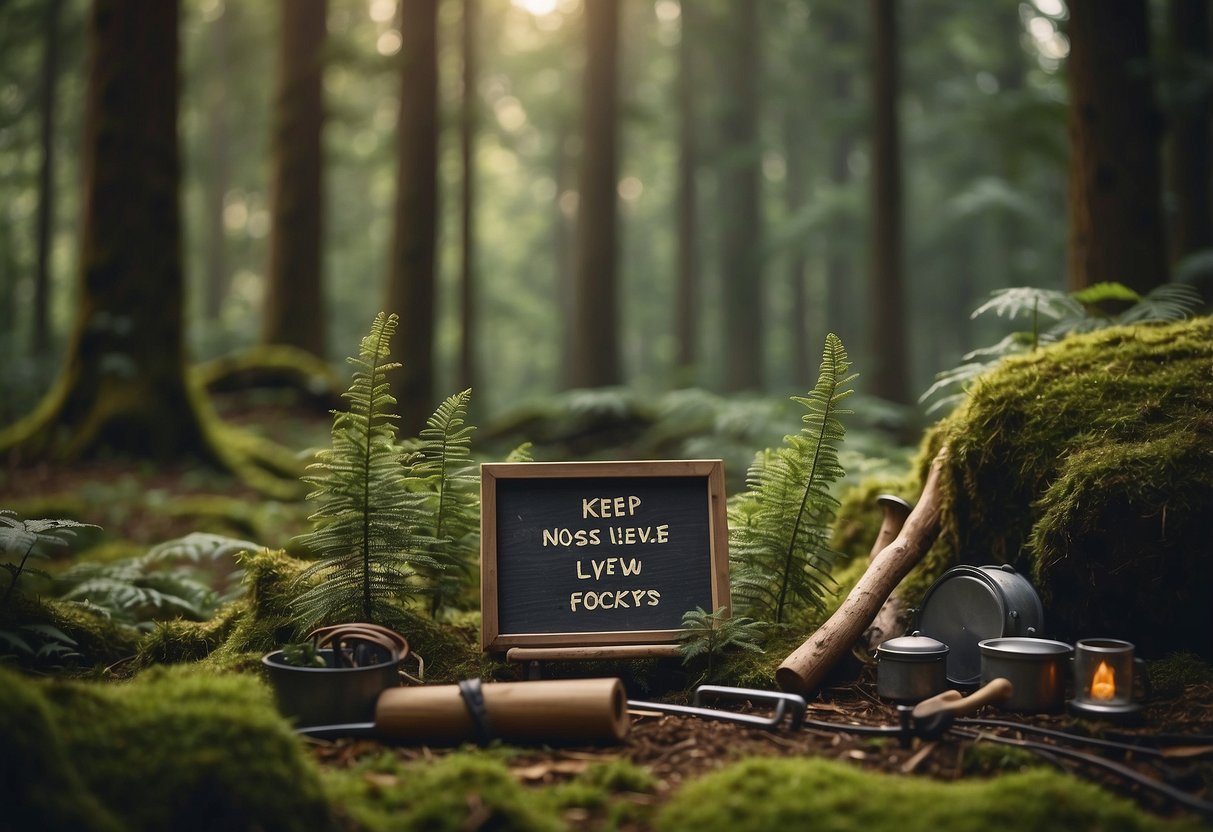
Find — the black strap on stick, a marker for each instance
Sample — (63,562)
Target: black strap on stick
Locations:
(473,700)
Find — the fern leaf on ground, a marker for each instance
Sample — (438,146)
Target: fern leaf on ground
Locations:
(779,544)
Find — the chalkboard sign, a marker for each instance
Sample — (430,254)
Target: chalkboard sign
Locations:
(599,553)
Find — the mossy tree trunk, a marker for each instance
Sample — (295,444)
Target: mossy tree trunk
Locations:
(294,303)
(1116,231)
(411,289)
(889,377)
(46,177)
(595,345)
(123,386)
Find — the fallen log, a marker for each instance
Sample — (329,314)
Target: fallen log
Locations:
(803,671)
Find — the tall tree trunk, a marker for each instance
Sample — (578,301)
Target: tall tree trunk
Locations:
(889,377)
(1191,168)
(741,210)
(1116,231)
(595,317)
(294,312)
(46,178)
(467,135)
(217,281)
(842,299)
(686,303)
(123,386)
(411,285)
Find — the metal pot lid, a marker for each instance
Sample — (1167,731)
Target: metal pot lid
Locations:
(1023,647)
(914,647)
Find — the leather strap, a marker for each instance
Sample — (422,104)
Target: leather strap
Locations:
(473,700)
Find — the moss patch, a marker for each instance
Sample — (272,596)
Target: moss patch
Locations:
(170,750)
(1089,465)
(822,795)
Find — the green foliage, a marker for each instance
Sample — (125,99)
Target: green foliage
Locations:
(779,529)
(457,792)
(173,749)
(27,539)
(1086,310)
(367,529)
(174,579)
(824,795)
(442,474)
(710,634)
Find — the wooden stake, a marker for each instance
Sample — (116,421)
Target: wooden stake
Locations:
(804,669)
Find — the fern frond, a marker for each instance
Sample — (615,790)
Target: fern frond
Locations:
(781,554)
(1022,301)
(441,470)
(367,530)
(521,454)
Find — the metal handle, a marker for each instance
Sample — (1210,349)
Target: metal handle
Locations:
(785,704)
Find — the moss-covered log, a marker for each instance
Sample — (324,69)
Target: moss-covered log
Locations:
(1089,464)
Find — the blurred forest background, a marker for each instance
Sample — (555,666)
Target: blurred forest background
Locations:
(576,194)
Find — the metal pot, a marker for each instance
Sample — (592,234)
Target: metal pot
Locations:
(971,603)
(911,668)
(328,695)
(1036,667)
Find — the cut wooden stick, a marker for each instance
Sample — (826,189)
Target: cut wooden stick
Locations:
(803,671)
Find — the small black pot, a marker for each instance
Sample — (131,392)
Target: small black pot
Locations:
(911,668)
(329,695)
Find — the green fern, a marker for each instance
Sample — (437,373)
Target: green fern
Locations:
(189,577)
(442,471)
(779,542)
(1086,310)
(709,634)
(367,527)
(28,539)
(522,453)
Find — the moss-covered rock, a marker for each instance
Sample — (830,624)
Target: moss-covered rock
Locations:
(1089,465)
(783,794)
(174,749)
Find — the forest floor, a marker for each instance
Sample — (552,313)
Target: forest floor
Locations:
(1175,730)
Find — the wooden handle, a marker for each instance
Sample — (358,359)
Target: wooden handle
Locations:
(996,690)
(804,669)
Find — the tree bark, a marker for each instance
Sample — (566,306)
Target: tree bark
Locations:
(217,280)
(411,285)
(1116,231)
(890,348)
(467,148)
(123,387)
(46,178)
(741,209)
(595,317)
(294,313)
(1191,157)
(686,303)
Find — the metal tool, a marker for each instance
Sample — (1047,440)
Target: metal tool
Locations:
(787,705)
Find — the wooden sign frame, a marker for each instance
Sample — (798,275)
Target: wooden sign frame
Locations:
(710,471)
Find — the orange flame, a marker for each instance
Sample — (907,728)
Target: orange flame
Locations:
(1103,684)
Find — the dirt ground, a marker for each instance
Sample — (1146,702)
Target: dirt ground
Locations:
(1175,732)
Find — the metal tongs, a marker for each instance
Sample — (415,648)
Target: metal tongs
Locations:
(785,704)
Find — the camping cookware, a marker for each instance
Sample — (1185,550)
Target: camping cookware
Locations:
(1037,668)
(911,668)
(969,604)
(1104,671)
